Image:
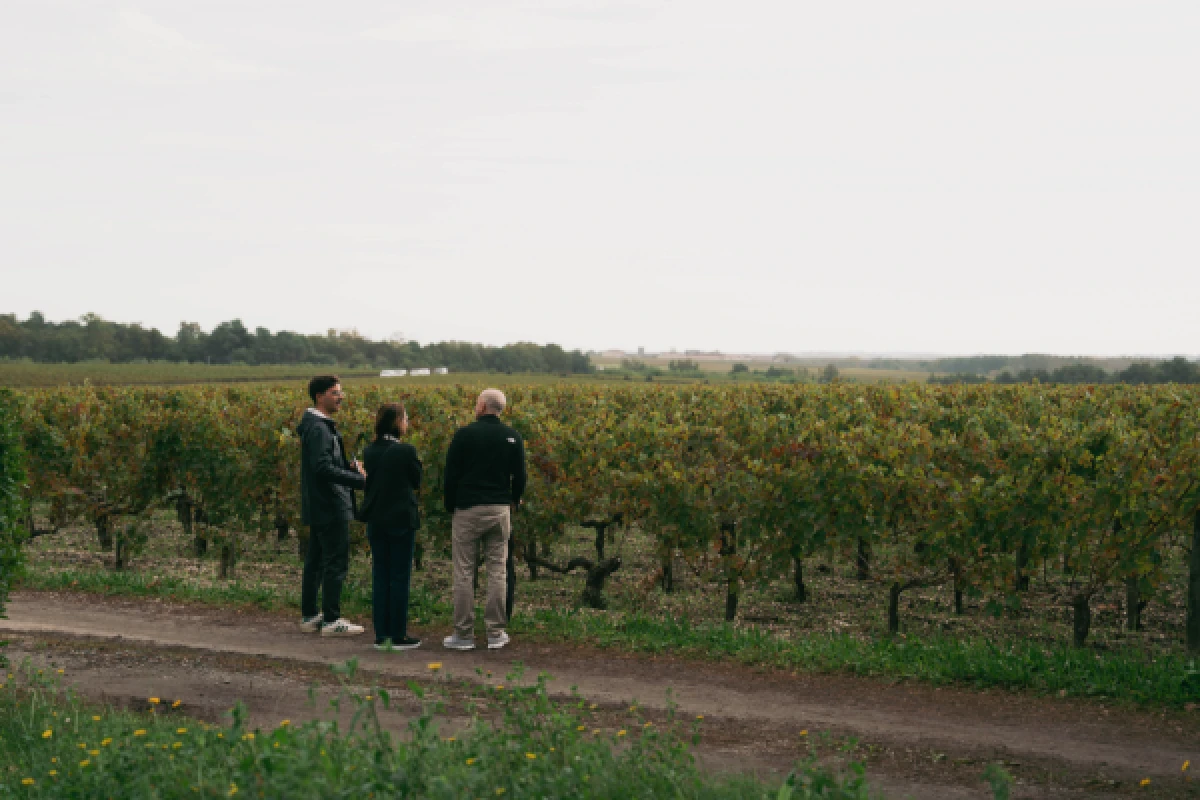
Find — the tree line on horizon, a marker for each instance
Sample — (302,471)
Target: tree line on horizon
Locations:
(1175,370)
(94,338)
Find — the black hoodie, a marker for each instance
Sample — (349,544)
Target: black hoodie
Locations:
(327,478)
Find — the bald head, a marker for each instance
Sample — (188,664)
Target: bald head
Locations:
(491,401)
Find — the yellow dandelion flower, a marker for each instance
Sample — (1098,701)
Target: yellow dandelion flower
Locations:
(499,687)
(531,756)
(285,723)
(593,707)
(450,739)
(46,734)
(648,724)
(435,666)
(53,773)
(140,732)
(470,761)
(621,733)
(181,731)
(581,728)
(177,704)
(595,731)
(804,733)
(177,745)
(54,760)
(93,752)
(232,789)
(154,701)
(500,790)
(85,762)
(1144,783)
(27,781)
(1185,766)
(106,742)
(96,718)
(249,736)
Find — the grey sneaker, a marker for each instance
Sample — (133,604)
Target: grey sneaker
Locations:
(312,624)
(495,642)
(455,643)
(341,627)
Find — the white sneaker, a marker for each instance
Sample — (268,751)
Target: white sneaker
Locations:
(312,624)
(342,627)
(455,643)
(497,641)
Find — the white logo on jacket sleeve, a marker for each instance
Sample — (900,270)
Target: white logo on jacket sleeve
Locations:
(511,439)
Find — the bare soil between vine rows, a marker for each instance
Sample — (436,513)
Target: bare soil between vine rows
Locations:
(917,741)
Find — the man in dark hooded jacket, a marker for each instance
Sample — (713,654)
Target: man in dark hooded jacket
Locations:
(327,483)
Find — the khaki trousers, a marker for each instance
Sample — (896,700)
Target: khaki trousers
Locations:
(489,527)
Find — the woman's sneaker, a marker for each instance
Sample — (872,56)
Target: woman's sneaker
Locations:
(497,641)
(342,627)
(311,624)
(456,643)
(407,643)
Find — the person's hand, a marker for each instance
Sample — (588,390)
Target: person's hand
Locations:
(358,466)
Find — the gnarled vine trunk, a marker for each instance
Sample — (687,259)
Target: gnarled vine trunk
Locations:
(894,608)
(863,559)
(1134,604)
(798,580)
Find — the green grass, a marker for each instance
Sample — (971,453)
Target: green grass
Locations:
(1126,674)
(53,745)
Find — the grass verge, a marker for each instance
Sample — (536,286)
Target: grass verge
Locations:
(1127,675)
(53,745)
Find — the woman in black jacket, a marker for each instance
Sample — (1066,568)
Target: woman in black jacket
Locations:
(390,511)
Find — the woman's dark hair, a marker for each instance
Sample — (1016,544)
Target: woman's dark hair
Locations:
(322,384)
(388,419)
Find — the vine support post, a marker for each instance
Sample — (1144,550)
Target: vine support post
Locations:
(1193,604)
(1133,603)
(531,557)
(103,524)
(510,583)
(228,558)
(668,570)
(729,554)
(1022,574)
(1081,618)
(894,608)
(302,536)
(798,579)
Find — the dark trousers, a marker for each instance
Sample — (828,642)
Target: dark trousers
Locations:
(325,567)
(391,576)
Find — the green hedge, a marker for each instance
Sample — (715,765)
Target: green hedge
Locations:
(12,501)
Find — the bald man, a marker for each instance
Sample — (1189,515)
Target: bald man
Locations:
(484,481)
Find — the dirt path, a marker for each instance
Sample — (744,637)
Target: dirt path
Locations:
(917,740)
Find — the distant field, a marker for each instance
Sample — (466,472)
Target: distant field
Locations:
(715,369)
(25,374)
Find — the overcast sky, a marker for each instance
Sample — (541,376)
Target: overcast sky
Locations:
(916,176)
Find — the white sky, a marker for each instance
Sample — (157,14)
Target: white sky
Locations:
(916,176)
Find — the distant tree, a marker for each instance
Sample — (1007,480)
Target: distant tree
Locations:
(829,374)
(780,373)
(739,368)
(683,365)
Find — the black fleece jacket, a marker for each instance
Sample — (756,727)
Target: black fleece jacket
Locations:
(485,465)
(327,479)
(393,480)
